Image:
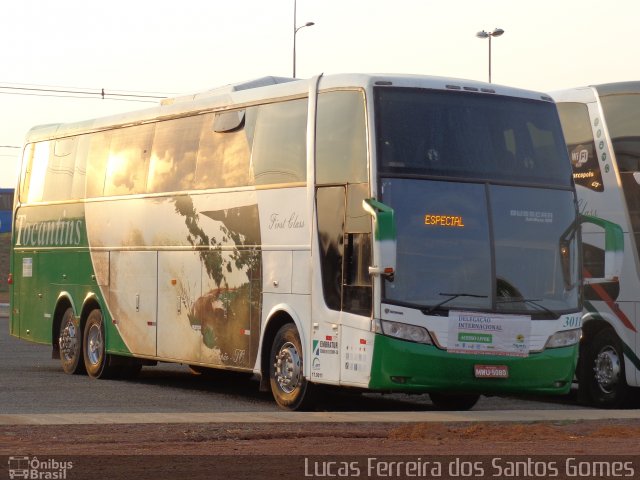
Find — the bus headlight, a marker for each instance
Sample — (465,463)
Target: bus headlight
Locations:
(564,338)
(403,331)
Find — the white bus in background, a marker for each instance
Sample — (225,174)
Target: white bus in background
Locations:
(601,124)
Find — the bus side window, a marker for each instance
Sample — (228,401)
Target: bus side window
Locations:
(59,177)
(96,147)
(128,163)
(330,206)
(25,171)
(345,248)
(280,143)
(357,294)
(80,168)
(224,153)
(341,132)
(36,171)
(344,228)
(593,267)
(173,156)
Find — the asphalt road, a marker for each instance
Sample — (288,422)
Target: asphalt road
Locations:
(33,383)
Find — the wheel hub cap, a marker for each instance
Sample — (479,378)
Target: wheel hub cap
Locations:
(68,341)
(288,368)
(94,345)
(607,369)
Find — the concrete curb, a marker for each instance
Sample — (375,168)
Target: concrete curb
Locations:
(521,416)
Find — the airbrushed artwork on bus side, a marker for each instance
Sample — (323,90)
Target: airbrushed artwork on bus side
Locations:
(225,313)
(209,321)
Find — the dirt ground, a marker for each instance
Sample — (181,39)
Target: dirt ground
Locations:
(616,437)
(599,449)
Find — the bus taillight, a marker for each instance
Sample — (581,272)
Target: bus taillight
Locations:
(10,279)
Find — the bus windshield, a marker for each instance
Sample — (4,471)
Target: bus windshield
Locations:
(466,135)
(472,230)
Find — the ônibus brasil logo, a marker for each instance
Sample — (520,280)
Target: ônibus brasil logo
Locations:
(33,468)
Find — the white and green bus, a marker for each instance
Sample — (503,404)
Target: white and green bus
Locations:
(385,233)
(602,129)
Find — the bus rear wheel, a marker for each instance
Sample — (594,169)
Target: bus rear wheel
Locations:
(96,359)
(70,343)
(454,401)
(290,388)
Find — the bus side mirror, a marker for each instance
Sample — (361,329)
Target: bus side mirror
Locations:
(613,247)
(385,235)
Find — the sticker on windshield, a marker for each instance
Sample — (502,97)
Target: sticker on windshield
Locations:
(533,216)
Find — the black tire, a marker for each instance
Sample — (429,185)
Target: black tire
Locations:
(289,387)
(454,401)
(70,343)
(96,360)
(602,381)
(130,370)
(198,370)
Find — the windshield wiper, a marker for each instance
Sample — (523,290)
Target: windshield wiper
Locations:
(452,296)
(530,301)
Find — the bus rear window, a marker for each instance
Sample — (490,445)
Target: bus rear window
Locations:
(467,135)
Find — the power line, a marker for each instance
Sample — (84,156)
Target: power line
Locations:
(102,92)
(77,92)
(9,146)
(84,97)
(59,87)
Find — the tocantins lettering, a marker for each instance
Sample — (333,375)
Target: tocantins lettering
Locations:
(61,232)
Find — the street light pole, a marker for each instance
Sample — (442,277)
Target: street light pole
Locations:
(496,33)
(295,32)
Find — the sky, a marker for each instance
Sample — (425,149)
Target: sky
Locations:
(166,48)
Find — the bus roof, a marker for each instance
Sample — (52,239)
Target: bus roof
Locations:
(588,94)
(618,88)
(265,88)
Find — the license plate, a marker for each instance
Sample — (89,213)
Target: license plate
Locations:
(491,371)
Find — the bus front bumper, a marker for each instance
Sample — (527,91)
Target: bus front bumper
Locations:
(403,366)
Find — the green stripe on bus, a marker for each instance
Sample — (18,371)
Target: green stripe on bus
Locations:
(613,235)
(626,349)
(630,354)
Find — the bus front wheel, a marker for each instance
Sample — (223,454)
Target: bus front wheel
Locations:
(603,381)
(290,388)
(70,343)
